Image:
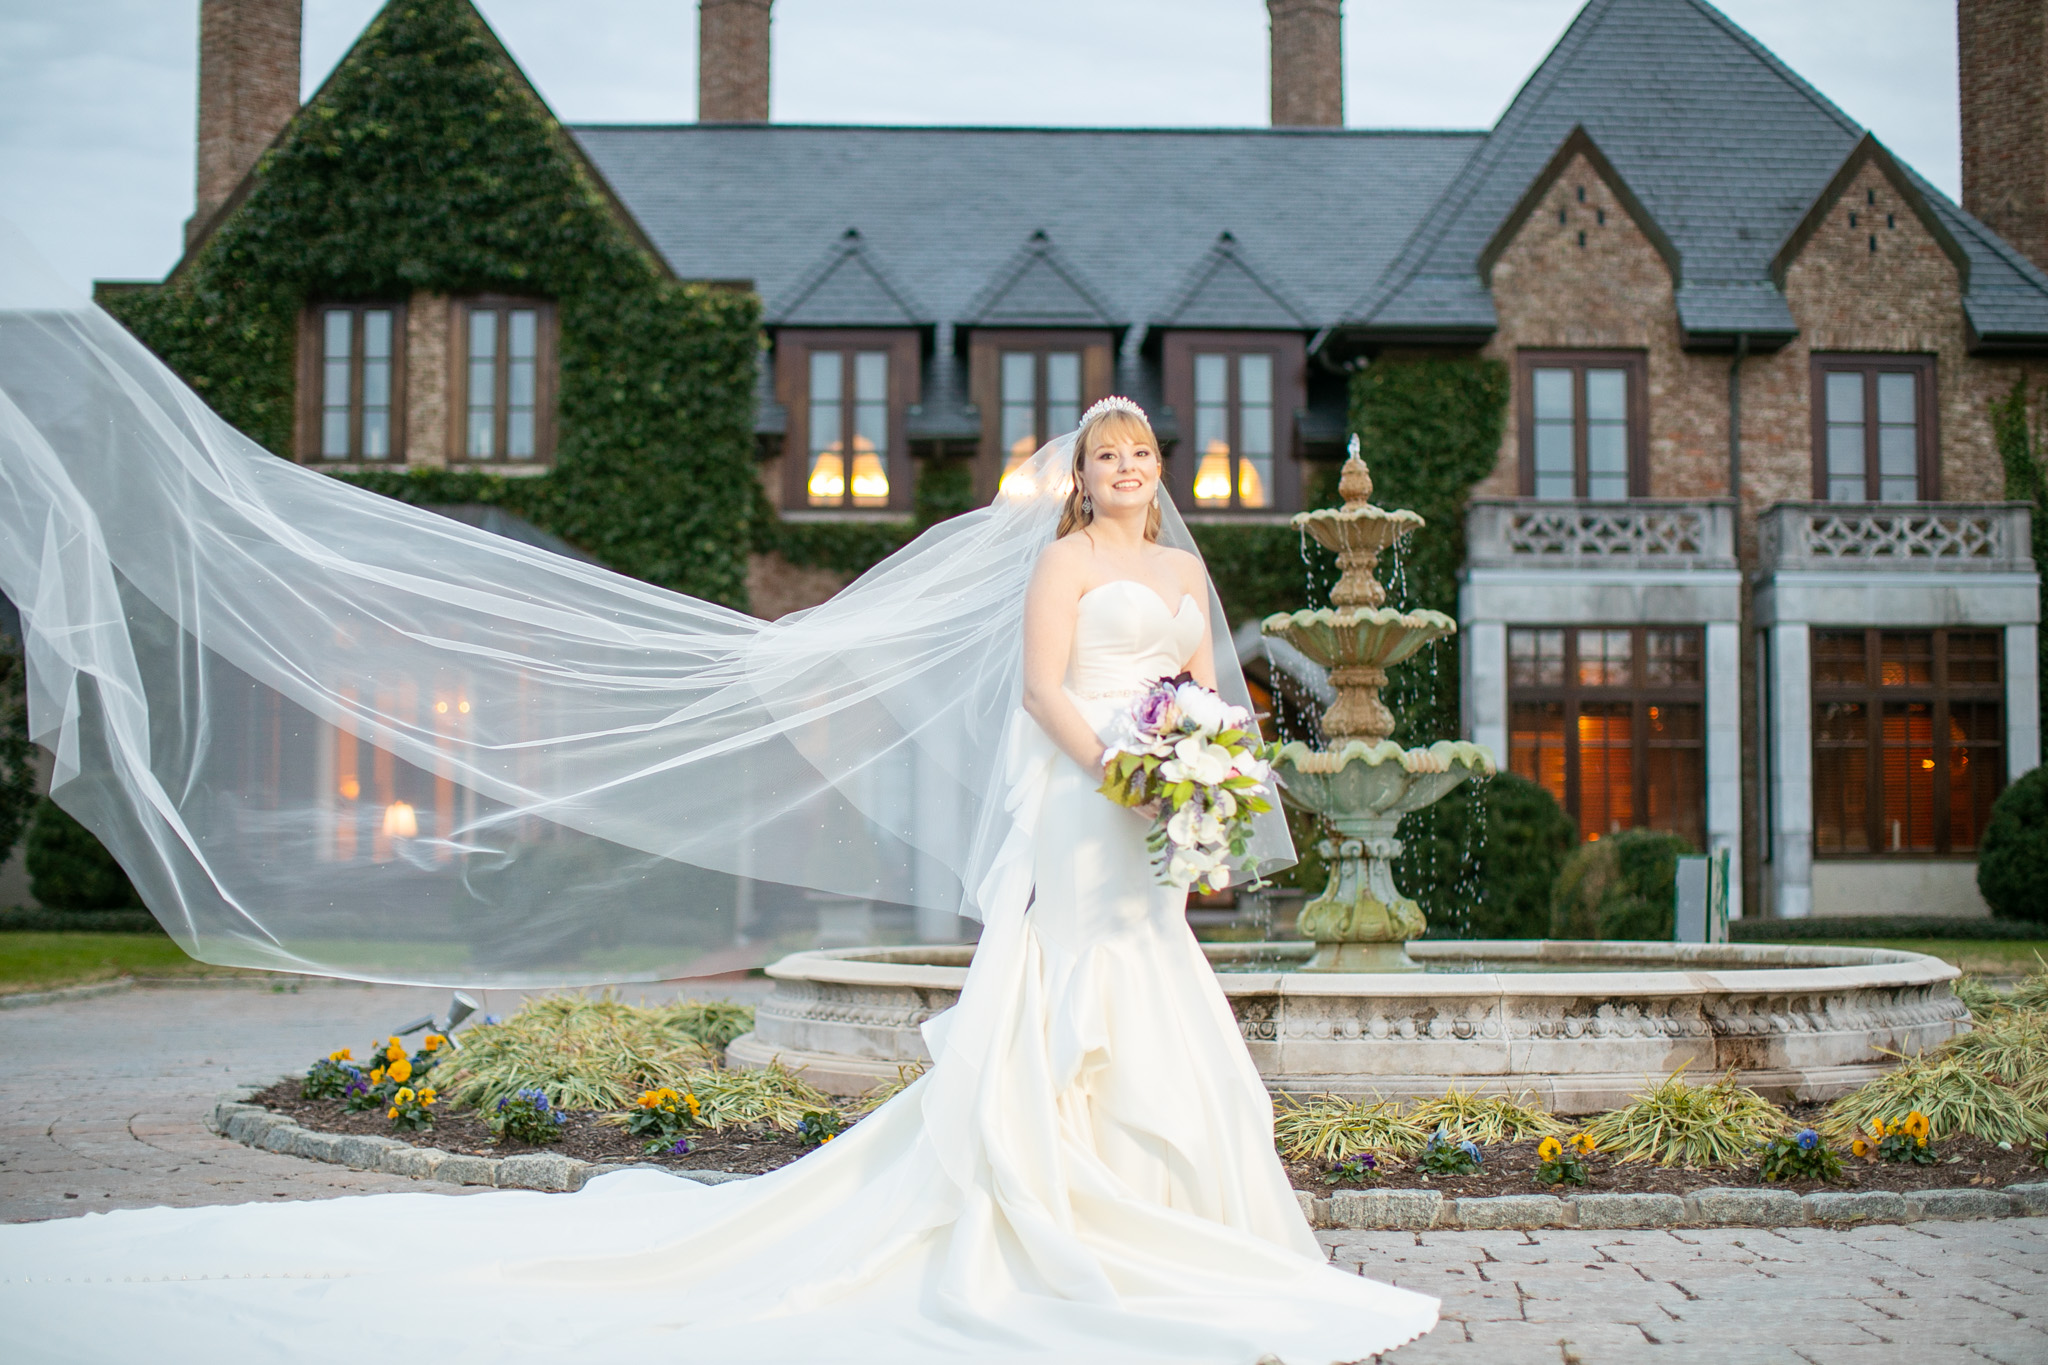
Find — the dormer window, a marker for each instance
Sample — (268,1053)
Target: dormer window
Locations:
(847,393)
(1873,428)
(1583,425)
(1234,395)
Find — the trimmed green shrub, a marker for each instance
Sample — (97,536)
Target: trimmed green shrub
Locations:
(426,162)
(1482,861)
(2012,866)
(1622,887)
(17,752)
(69,869)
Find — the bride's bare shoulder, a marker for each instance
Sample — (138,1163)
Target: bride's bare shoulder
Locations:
(1186,567)
(1063,562)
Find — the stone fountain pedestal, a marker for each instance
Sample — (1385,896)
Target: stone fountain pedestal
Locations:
(1362,784)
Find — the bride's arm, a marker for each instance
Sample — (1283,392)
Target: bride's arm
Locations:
(1050,606)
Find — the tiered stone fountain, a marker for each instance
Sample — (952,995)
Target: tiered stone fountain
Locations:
(1360,782)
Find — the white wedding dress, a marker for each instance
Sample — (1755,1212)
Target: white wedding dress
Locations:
(1085,1174)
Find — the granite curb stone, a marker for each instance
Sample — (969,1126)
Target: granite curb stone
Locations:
(1361,1210)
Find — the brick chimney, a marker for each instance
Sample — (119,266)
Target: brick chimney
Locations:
(248,91)
(1308,63)
(732,61)
(2002,47)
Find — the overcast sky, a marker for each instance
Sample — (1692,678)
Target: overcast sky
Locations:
(97,96)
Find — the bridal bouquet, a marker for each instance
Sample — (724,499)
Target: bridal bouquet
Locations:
(1205,766)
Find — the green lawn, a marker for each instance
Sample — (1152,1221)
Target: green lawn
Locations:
(40,962)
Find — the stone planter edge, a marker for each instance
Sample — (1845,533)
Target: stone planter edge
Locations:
(1386,1210)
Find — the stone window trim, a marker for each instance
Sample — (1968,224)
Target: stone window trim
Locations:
(1637,366)
(985,349)
(311,388)
(792,372)
(546,375)
(1926,409)
(1639,693)
(1290,395)
(1941,692)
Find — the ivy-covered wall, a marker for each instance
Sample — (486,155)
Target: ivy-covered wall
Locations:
(2018,428)
(1429,429)
(426,162)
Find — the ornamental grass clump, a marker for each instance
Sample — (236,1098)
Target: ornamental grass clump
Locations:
(1956,1093)
(2012,1048)
(881,1094)
(1486,1119)
(1331,1128)
(582,1052)
(771,1095)
(1678,1123)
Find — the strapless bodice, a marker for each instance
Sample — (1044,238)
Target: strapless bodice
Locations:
(1125,636)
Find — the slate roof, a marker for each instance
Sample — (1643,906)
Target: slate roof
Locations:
(946,218)
(1723,144)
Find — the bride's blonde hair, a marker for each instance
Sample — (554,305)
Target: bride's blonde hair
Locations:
(1097,427)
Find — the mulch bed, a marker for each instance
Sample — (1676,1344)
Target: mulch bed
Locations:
(1965,1163)
(750,1150)
(1510,1168)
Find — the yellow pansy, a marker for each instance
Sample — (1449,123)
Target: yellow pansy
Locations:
(1917,1126)
(427,1095)
(390,1113)
(432,1042)
(1583,1144)
(395,1051)
(342,1056)
(1859,1148)
(1550,1149)
(691,1100)
(377,1075)
(401,1070)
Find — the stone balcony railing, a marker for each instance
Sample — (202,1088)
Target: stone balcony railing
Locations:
(1818,537)
(1643,534)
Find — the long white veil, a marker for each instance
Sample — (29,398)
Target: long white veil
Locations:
(328,732)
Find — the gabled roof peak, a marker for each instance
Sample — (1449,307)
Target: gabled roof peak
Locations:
(847,287)
(1577,143)
(1868,152)
(1039,287)
(1224,290)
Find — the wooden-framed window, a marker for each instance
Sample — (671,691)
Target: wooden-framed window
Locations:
(504,389)
(1611,721)
(1584,424)
(1908,740)
(1031,386)
(352,382)
(1235,395)
(1874,431)
(847,392)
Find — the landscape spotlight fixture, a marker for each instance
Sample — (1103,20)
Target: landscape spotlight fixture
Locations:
(460,1007)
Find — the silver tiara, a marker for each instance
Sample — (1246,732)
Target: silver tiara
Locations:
(1114,403)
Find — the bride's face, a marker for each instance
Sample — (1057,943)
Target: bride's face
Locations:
(1120,473)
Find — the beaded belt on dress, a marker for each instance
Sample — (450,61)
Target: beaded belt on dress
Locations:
(1131,691)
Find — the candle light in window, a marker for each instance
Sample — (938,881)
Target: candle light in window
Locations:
(870,481)
(1926,762)
(1251,489)
(463,707)
(440,708)
(1212,476)
(828,477)
(400,822)
(350,789)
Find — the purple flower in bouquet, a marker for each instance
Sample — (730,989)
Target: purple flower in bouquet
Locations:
(1155,710)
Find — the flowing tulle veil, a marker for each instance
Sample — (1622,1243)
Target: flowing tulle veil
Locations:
(326,731)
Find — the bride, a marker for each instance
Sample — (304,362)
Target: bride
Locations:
(1086,1172)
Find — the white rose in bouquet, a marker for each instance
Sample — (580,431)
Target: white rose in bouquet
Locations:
(1204,709)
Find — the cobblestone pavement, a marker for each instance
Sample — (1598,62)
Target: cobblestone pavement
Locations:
(103,1099)
(1919,1294)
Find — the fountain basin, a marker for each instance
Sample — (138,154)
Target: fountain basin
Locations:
(1358,637)
(1579,1027)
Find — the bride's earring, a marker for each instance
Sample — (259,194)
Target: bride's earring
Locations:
(1087,507)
